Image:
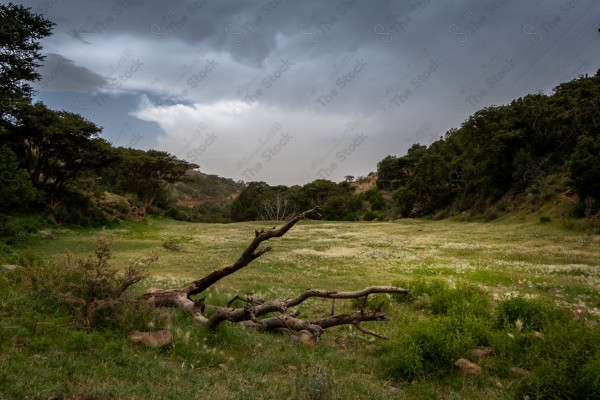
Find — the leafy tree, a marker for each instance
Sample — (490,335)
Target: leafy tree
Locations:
(57,146)
(147,174)
(20,55)
(341,207)
(375,199)
(393,172)
(246,206)
(584,167)
(15,186)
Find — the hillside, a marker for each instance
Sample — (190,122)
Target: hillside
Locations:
(520,156)
(198,188)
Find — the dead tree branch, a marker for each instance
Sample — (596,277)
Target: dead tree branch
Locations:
(249,315)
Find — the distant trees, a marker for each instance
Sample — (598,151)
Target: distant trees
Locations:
(258,200)
(146,174)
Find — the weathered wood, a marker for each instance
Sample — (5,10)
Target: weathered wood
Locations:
(250,314)
(241,314)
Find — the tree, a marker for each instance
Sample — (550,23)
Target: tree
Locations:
(246,206)
(20,55)
(253,309)
(276,206)
(15,186)
(57,146)
(147,174)
(584,167)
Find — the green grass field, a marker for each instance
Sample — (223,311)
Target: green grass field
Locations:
(45,356)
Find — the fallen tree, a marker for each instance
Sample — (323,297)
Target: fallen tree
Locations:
(249,315)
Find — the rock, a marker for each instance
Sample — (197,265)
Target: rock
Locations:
(579,312)
(538,334)
(482,353)
(592,322)
(466,367)
(519,371)
(306,338)
(10,267)
(152,339)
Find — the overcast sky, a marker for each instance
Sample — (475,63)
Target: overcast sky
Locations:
(291,91)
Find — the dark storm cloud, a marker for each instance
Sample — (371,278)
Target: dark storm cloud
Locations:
(403,71)
(62,75)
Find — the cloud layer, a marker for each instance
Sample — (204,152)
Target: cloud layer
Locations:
(398,72)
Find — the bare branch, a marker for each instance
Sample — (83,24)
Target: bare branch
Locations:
(239,314)
(370,332)
(250,254)
(250,314)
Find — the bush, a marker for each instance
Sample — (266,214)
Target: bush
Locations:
(440,298)
(545,219)
(534,315)
(565,364)
(93,292)
(314,383)
(11,232)
(430,347)
(369,216)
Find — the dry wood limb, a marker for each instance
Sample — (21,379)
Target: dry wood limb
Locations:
(250,313)
(317,327)
(180,298)
(370,332)
(241,314)
(250,254)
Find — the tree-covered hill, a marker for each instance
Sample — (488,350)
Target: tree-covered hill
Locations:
(504,154)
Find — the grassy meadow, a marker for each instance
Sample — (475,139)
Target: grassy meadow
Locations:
(510,284)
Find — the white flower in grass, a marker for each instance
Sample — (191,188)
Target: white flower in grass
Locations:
(519,324)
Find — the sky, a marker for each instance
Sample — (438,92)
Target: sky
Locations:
(287,91)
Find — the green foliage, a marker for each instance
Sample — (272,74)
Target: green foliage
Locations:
(57,147)
(148,175)
(341,208)
(11,231)
(258,200)
(503,150)
(15,188)
(92,291)
(534,315)
(20,55)
(438,296)
(584,166)
(246,206)
(314,383)
(562,362)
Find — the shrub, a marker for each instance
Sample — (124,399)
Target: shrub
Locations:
(431,347)
(440,298)
(11,232)
(314,383)
(545,219)
(534,315)
(565,363)
(90,289)
(369,216)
